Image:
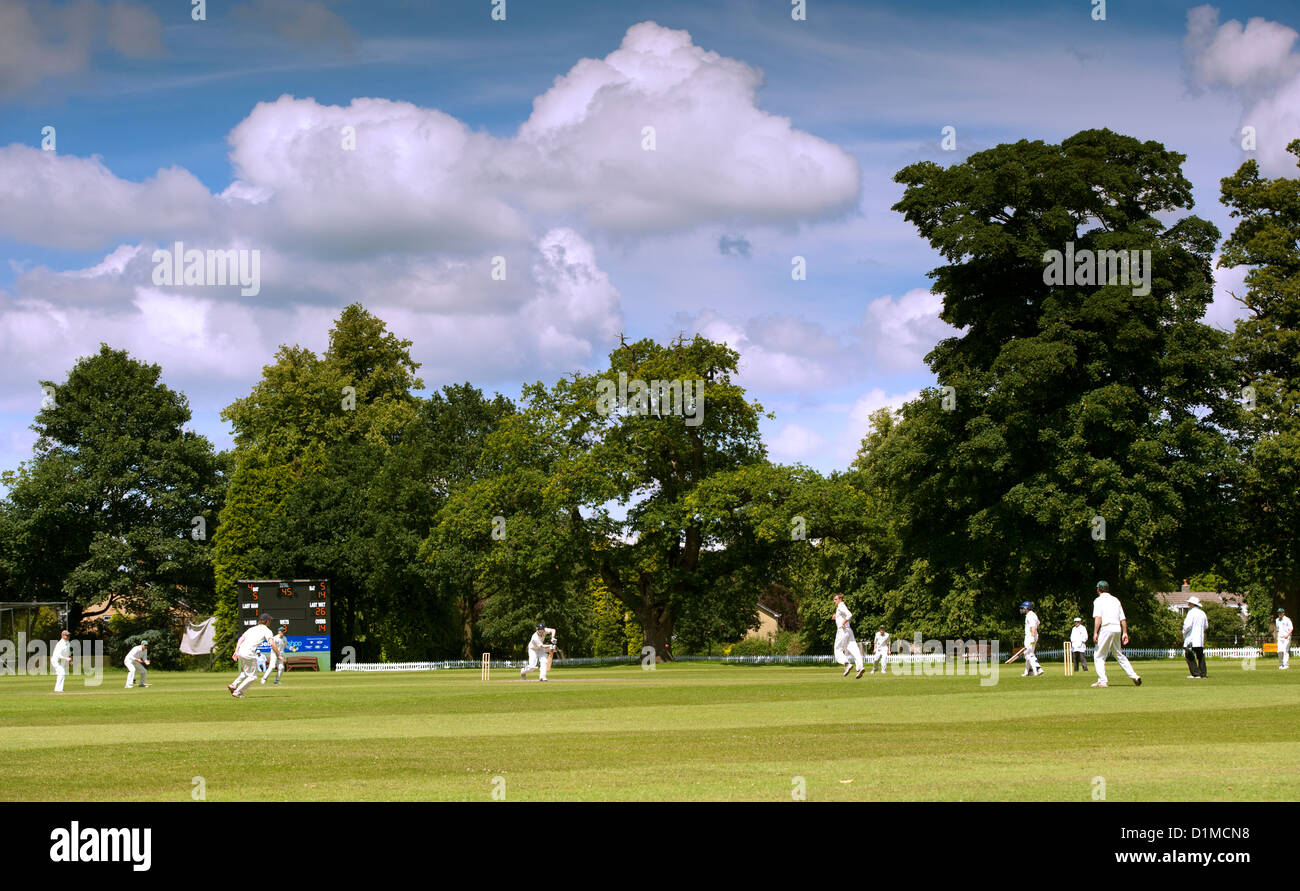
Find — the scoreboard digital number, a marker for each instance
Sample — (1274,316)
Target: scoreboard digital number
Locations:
(300,606)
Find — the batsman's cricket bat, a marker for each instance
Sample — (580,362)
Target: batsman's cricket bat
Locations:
(1014,656)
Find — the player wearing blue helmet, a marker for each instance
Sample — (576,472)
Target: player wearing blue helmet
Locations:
(1032,668)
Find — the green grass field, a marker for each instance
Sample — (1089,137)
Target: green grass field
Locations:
(681,732)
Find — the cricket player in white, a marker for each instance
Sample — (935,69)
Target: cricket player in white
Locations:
(1110,629)
(62,659)
(538,650)
(1284,629)
(1032,668)
(846,644)
(246,654)
(136,660)
(1079,643)
(881,650)
(275,658)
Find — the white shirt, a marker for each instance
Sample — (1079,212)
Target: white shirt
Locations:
(538,640)
(842,616)
(62,653)
(1112,614)
(281,643)
(1284,627)
(1031,628)
(252,639)
(136,655)
(882,641)
(1079,638)
(1194,627)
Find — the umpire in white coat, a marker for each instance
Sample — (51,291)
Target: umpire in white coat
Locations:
(1194,627)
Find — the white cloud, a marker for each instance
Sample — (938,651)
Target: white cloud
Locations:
(899,332)
(795,443)
(1258,63)
(1234,55)
(77,203)
(859,414)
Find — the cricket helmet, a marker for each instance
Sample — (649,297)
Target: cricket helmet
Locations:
(1026,605)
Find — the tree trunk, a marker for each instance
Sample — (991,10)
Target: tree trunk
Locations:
(657,630)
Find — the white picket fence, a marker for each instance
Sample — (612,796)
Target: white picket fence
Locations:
(917,658)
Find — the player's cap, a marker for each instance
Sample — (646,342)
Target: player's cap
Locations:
(264,617)
(1078,619)
(1281,610)
(540,626)
(1026,605)
(1194,600)
(1103,586)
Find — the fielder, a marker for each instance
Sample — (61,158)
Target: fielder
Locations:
(246,654)
(881,650)
(62,659)
(1032,668)
(275,658)
(1109,630)
(1079,644)
(1284,628)
(846,644)
(538,651)
(136,660)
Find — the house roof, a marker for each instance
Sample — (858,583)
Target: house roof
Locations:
(1178,599)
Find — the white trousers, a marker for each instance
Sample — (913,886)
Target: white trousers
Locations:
(878,659)
(1284,650)
(537,659)
(846,645)
(132,668)
(273,664)
(60,675)
(1031,657)
(1108,645)
(247,672)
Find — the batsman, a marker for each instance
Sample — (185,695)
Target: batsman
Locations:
(540,653)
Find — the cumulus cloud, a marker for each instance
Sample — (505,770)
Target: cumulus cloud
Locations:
(899,332)
(1257,62)
(715,157)
(409,210)
(77,203)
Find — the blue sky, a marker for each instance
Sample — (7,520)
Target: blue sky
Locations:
(775,138)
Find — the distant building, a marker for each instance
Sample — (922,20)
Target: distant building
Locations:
(769,623)
(1177,600)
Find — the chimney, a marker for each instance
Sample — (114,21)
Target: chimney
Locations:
(1187,589)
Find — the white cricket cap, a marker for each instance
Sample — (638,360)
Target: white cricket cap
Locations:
(1194,600)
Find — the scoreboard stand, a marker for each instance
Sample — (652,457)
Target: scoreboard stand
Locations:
(300,606)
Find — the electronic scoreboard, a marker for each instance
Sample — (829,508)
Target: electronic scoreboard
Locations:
(300,606)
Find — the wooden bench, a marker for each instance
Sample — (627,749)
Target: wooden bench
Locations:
(301,662)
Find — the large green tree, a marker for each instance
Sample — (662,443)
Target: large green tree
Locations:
(307,495)
(1070,398)
(1266,345)
(115,506)
(676,511)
